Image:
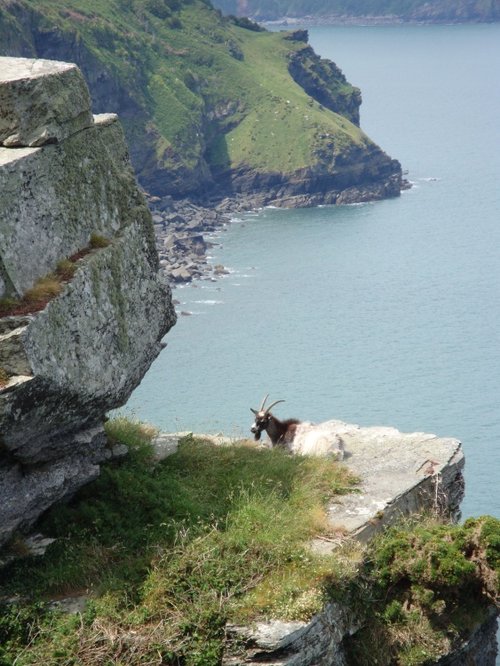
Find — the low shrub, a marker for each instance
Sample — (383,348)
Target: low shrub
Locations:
(430,585)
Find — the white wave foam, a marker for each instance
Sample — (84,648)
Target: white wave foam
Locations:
(189,313)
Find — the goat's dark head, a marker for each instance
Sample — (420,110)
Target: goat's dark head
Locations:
(262,418)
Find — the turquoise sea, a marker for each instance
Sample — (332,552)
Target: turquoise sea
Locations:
(378,314)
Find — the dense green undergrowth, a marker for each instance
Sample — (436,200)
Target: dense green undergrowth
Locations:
(168,552)
(427,586)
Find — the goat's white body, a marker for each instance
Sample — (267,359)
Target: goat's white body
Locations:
(321,439)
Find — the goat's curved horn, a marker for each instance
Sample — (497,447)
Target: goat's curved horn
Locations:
(263,402)
(272,405)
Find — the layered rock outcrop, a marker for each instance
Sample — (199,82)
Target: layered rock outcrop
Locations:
(65,365)
(360,174)
(312,73)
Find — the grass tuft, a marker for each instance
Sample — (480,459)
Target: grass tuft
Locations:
(43,290)
(4,377)
(97,241)
(65,269)
(34,299)
(48,287)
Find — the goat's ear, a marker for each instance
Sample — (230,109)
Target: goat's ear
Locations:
(254,411)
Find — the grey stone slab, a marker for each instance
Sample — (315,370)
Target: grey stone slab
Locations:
(13,358)
(42,101)
(400,473)
(52,199)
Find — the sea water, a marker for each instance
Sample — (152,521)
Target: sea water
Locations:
(384,313)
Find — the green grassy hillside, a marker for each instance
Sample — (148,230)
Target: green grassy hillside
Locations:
(423,10)
(205,99)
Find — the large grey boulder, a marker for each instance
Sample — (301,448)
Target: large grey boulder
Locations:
(89,347)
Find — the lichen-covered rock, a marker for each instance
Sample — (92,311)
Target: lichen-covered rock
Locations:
(314,643)
(53,198)
(42,101)
(89,347)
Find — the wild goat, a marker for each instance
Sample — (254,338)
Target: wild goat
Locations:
(296,436)
(280,432)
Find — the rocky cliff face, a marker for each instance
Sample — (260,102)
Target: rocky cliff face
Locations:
(312,73)
(65,181)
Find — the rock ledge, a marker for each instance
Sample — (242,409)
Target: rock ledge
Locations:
(399,474)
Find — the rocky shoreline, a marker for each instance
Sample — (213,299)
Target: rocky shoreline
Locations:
(292,22)
(180,232)
(181,226)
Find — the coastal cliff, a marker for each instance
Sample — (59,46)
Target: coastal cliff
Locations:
(212,107)
(217,554)
(82,310)
(367,11)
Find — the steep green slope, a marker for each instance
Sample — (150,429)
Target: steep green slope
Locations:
(411,10)
(211,106)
